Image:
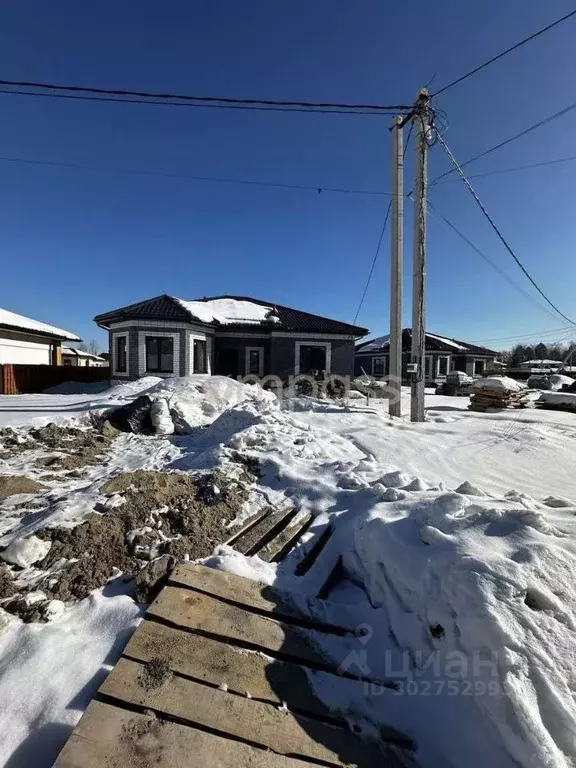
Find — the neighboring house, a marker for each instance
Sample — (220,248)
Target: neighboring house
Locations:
(442,356)
(541,366)
(23,340)
(79,359)
(227,335)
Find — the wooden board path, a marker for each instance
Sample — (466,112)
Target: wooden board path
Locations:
(216,676)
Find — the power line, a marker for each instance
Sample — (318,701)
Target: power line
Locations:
(562,331)
(516,168)
(377,251)
(526,131)
(440,216)
(318,188)
(220,100)
(506,52)
(500,235)
(198,106)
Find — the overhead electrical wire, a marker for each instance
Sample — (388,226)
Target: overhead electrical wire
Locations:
(497,230)
(379,245)
(501,144)
(440,216)
(553,331)
(180,99)
(506,52)
(558,160)
(318,188)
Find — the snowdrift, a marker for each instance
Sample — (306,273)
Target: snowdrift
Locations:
(484,588)
(196,401)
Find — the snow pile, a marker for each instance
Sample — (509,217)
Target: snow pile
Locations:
(502,383)
(554,381)
(24,552)
(196,401)
(230,311)
(481,593)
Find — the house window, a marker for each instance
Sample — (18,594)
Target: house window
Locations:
(159,354)
(121,354)
(313,358)
(67,362)
(254,362)
(379,366)
(428,367)
(443,363)
(479,366)
(200,360)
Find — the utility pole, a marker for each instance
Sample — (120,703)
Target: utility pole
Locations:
(418,357)
(396,252)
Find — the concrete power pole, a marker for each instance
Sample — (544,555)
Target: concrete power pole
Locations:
(396,252)
(418,358)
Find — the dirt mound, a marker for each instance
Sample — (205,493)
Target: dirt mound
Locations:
(154,674)
(164,513)
(13,484)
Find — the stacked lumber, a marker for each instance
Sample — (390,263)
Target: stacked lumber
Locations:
(557,401)
(497,392)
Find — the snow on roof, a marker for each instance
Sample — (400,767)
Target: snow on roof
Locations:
(449,342)
(26,323)
(376,344)
(80,353)
(541,362)
(229,311)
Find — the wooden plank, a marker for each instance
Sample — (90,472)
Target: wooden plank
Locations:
(240,718)
(214,662)
(188,609)
(109,736)
(250,594)
(233,588)
(265,530)
(278,548)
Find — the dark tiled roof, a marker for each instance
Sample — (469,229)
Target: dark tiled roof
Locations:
(166,308)
(159,308)
(434,343)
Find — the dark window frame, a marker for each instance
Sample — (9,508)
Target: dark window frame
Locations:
(203,343)
(376,364)
(157,366)
(483,367)
(121,354)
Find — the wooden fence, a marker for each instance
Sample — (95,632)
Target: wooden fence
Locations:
(29,379)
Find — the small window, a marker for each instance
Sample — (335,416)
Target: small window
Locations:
(121,354)
(200,356)
(479,367)
(159,354)
(379,366)
(67,362)
(428,367)
(443,365)
(254,362)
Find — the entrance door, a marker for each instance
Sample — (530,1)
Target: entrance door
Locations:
(227,362)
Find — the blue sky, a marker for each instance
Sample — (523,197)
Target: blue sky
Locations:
(76,243)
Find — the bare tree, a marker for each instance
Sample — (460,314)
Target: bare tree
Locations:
(92,347)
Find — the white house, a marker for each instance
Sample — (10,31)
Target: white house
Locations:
(23,340)
(77,358)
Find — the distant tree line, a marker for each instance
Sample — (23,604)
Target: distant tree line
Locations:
(522,352)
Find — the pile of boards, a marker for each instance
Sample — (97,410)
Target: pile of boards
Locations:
(557,401)
(498,392)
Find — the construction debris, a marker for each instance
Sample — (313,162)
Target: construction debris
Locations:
(557,401)
(498,392)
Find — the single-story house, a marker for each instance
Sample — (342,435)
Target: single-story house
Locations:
(23,340)
(442,356)
(77,358)
(226,335)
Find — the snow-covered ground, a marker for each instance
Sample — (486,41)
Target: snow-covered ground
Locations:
(458,540)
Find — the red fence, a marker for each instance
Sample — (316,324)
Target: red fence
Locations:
(29,379)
